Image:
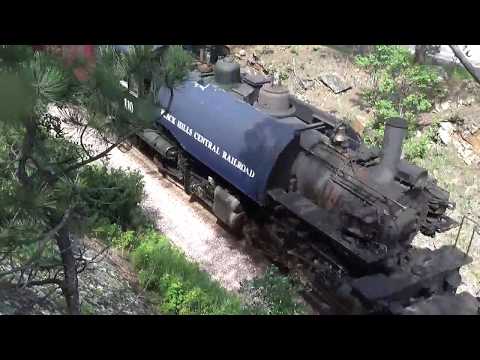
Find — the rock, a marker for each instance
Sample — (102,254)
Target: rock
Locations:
(465,151)
(445,106)
(469,101)
(474,141)
(445,132)
(6,308)
(242,53)
(425,120)
(334,83)
(309,84)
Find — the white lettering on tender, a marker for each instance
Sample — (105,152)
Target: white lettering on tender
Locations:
(207,143)
(196,84)
(128,104)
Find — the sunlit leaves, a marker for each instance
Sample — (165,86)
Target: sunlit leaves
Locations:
(175,66)
(48,79)
(402,87)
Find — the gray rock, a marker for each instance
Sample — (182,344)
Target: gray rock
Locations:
(445,132)
(445,106)
(334,83)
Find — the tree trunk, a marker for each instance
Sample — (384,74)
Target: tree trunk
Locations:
(420,54)
(475,72)
(70,282)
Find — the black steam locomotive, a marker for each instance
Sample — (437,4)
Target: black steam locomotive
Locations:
(302,185)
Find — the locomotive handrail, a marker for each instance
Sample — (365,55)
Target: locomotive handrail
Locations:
(310,127)
(340,173)
(476,229)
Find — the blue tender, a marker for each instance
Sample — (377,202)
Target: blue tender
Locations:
(229,136)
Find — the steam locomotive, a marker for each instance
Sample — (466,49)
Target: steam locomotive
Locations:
(302,185)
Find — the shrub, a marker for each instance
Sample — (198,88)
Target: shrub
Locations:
(401,88)
(182,286)
(273,294)
(416,147)
(113,196)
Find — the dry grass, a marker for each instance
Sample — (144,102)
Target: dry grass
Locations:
(311,61)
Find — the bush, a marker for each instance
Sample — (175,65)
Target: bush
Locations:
(273,294)
(113,235)
(401,88)
(113,196)
(182,286)
(416,148)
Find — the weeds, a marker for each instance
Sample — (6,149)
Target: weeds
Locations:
(182,286)
(401,88)
(114,196)
(273,294)
(179,287)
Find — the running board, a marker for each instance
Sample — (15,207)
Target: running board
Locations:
(404,284)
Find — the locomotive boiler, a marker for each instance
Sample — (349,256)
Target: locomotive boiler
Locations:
(302,185)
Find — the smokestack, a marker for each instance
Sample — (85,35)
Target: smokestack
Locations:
(395,132)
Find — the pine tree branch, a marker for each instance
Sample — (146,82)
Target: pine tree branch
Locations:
(42,243)
(102,154)
(81,140)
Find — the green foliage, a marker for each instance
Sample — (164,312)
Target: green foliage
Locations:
(459,73)
(113,196)
(43,176)
(175,66)
(113,234)
(283,76)
(401,88)
(109,232)
(182,286)
(15,100)
(273,294)
(87,309)
(127,240)
(11,56)
(417,147)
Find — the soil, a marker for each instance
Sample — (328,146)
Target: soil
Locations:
(311,62)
